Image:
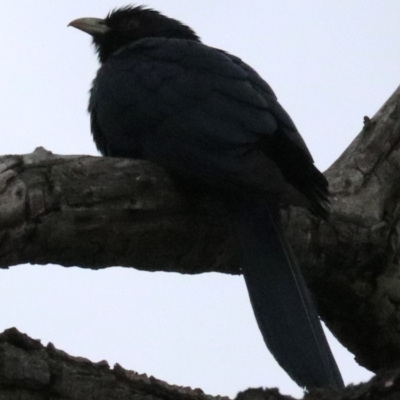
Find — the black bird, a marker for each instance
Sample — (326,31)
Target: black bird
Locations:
(211,120)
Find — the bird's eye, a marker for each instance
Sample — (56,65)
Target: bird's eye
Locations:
(132,24)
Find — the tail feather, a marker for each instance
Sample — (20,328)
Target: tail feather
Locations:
(282,304)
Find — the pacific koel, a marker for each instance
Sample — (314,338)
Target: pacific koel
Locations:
(212,122)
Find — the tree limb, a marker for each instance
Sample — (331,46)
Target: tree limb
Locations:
(28,371)
(99,212)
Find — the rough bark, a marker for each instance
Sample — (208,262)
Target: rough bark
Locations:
(70,210)
(30,371)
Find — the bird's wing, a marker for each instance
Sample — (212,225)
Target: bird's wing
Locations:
(288,150)
(197,98)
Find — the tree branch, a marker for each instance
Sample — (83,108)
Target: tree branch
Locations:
(98,212)
(28,370)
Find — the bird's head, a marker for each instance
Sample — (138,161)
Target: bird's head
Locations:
(127,24)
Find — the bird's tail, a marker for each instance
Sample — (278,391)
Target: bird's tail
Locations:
(282,304)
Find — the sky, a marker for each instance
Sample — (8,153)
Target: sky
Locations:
(330,63)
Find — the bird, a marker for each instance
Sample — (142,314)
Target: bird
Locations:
(211,121)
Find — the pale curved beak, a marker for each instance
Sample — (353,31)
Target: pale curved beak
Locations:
(92,26)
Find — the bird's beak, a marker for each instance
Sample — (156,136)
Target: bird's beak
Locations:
(92,26)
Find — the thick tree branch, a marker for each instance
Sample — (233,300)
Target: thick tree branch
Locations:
(99,212)
(28,371)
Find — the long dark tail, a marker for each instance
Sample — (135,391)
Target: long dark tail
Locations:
(281,301)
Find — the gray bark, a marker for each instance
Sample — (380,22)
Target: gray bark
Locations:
(70,210)
(30,371)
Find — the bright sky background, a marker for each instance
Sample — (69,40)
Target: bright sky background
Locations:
(330,62)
